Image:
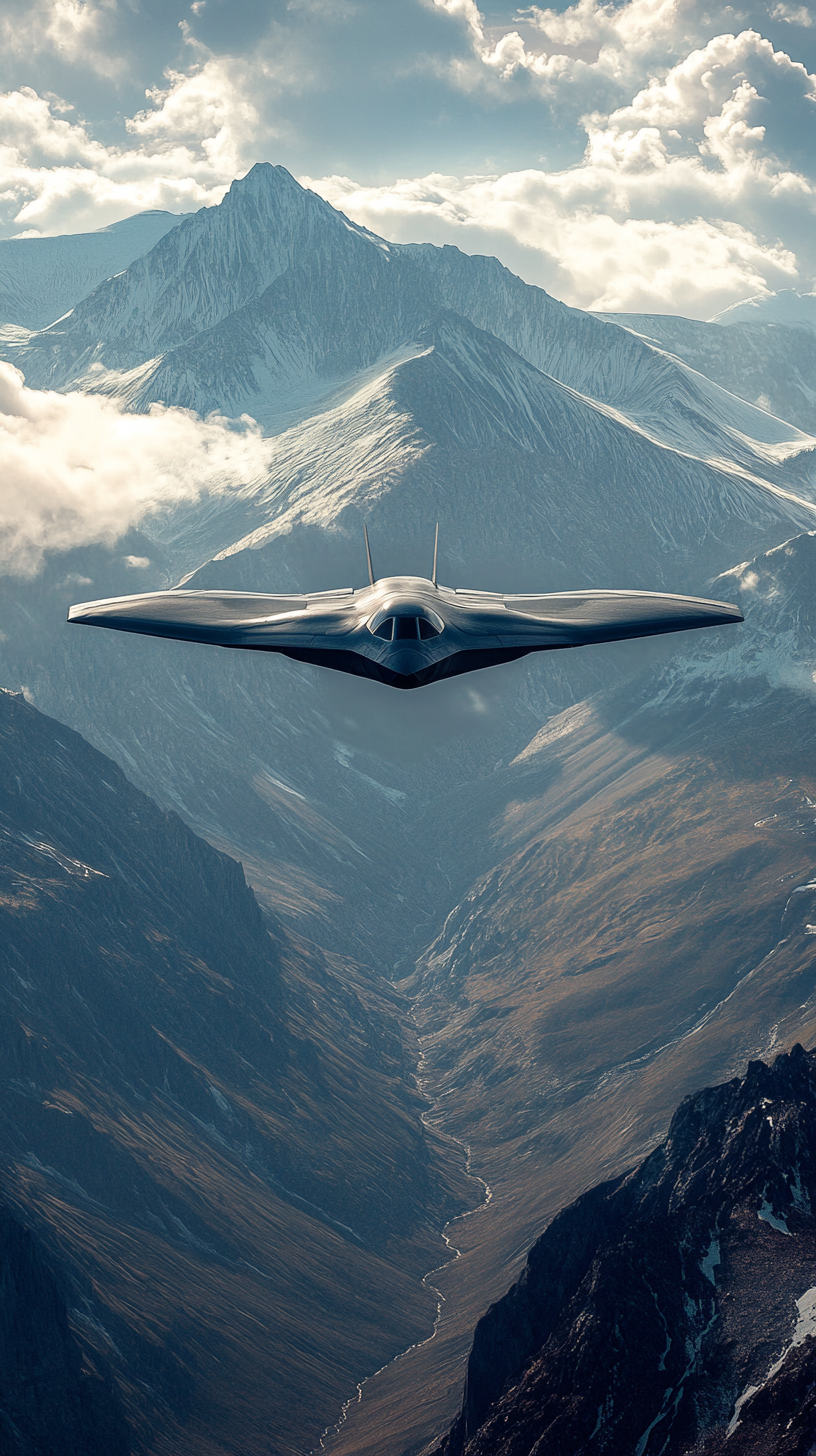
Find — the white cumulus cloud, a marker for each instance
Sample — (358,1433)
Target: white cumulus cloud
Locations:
(77,469)
(699,191)
(55,177)
(77,30)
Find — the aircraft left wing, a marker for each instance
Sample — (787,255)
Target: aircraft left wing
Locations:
(227,619)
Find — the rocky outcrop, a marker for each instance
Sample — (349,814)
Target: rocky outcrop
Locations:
(673,1309)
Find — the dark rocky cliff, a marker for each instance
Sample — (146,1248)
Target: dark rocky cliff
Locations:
(54,1400)
(672,1308)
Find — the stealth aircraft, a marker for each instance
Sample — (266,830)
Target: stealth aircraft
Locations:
(405,631)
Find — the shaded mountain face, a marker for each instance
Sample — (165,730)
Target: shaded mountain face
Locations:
(42,278)
(53,1400)
(214,1127)
(672,1308)
(770,364)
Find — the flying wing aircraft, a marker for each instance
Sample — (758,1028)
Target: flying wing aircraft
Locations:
(403,630)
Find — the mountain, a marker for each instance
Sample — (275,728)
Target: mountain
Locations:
(672,1308)
(785,307)
(54,1399)
(42,278)
(404,382)
(464,395)
(273,301)
(211,1126)
(765,361)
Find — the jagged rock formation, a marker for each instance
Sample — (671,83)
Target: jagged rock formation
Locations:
(675,1307)
(54,1400)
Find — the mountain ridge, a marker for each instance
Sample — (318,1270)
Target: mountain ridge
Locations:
(188,1092)
(42,278)
(635,1323)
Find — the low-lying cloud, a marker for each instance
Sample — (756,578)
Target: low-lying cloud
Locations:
(77,469)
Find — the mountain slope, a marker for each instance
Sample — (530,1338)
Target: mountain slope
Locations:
(674,1307)
(213,1125)
(769,364)
(54,1401)
(624,371)
(41,278)
(785,307)
(461,415)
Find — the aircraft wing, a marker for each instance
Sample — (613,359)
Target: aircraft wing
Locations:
(569,619)
(227,619)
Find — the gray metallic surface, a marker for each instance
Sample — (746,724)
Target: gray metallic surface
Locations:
(403,630)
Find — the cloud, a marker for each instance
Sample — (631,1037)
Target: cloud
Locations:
(554,230)
(700,189)
(214,107)
(793,15)
(203,127)
(589,54)
(77,30)
(55,177)
(77,469)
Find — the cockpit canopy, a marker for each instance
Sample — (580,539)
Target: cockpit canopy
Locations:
(405,622)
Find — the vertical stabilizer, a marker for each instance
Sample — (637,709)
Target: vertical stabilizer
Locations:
(436,550)
(368,554)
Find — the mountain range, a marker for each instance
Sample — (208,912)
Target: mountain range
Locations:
(587,879)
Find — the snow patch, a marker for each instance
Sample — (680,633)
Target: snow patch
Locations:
(767,1215)
(219,1099)
(558,727)
(804,1328)
(711,1260)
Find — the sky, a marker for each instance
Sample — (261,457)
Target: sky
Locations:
(651,155)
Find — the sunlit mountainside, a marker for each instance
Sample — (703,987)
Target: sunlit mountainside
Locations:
(498,930)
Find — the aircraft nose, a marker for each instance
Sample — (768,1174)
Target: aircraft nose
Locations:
(406,661)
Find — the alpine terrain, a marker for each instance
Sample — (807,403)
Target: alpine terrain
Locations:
(495,933)
(662,1311)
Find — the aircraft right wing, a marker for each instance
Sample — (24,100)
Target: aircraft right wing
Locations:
(570,619)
